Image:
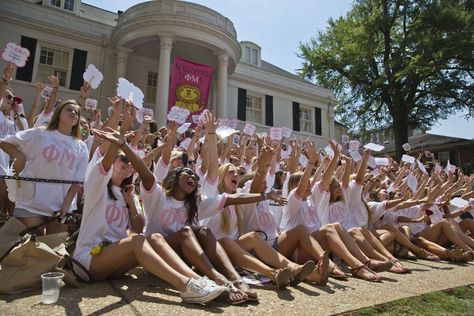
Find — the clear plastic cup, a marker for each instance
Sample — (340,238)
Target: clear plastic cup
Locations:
(52,283)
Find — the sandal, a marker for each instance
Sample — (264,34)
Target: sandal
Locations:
(456,255)
(242,286)
(234,295)
(379,266)
(282,277)
(306,270)
(336,272)
(365,273)
(323,268)
(398,267)
(423,254)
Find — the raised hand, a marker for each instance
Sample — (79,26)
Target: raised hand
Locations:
(8,72)
(209,122)
(128,193)
(313,155)
(54,81)
(85,89)
(275,195)
(40,86)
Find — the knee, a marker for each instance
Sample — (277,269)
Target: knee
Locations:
(444,222)
(186,231)
(205,233)
(138,240)
(301,230)
(157,238)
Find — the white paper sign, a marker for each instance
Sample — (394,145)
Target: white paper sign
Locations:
(355,155)
(185,143)
(196,118)
(286,132)
(249,129)
(232,124)
(276,133)
(375,172)
(450,168)
(354,145)
(458,202)
(303,160)
(93,76)
(222,122)
(285,154)
(148,114)
(391,188)
(110,109)
(438,168)
(183,128)
(236,140)
(412,182)
(225,131)
(382,161)
(46,93)
(374,147)
(90,104)
(178,114)
(406,147)
(371,162)
(328,150)
(421,166)
(15,54)
(130,92)
(345,139)
(408,158)
(262,134)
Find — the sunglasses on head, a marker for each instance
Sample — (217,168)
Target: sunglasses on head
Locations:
(9,96)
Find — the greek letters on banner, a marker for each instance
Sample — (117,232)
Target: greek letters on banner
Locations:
(189,86)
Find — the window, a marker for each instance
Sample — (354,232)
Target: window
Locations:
(251,55)
(306,120)
(254,109)
(53,61)
(152,83)
(443,158)
(63,4)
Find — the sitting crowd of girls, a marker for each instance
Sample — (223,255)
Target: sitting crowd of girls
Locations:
(154,199)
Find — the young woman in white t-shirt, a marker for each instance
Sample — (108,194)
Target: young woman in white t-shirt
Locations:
(228,228)
(55,152)
(302,210)
(104,246)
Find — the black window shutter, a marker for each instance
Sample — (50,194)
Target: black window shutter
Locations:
(242,104)
(296,116)
(268,110)
(78,67)
(452,158)
(317,121)
(26,73)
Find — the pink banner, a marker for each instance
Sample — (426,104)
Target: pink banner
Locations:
(190,85)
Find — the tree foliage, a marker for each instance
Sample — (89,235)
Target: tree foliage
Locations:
(399,63)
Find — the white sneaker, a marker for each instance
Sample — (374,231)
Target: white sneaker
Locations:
(201,291)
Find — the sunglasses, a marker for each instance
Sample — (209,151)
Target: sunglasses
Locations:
(191,174)
(124,159)
(9,96)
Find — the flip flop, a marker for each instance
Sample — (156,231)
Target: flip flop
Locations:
(307,269)
(282,277)
(241,285)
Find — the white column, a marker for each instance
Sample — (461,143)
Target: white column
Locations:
(331,121)
(122,58)
(223,62)
(162,90)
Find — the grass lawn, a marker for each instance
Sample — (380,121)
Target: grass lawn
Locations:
(458,301)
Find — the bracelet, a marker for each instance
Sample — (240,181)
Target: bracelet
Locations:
(211,133)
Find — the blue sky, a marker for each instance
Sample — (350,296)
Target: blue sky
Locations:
(278,26)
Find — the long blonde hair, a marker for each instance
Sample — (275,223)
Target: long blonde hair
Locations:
(54,122)
(225,214)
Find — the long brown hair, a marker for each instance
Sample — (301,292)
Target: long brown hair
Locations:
(225,214)
(54,122)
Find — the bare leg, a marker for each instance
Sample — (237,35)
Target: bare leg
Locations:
(244,259)
(467,225)
(119,257)
(216,253)
(467,239)
(376,244)
(404,241)
(443,227)
(163,249)
(184,242)
(364,245)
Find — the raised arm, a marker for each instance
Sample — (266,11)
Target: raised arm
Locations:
(263,161)
(210,125)
(36,103)
(313,157)
(54,94)
(328,173)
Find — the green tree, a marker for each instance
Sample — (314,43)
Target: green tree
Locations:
(397,63)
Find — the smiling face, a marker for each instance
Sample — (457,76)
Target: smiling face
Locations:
(187,180)
(228,178)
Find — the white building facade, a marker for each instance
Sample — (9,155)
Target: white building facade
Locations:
(64,36)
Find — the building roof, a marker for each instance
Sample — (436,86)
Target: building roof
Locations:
(282,72)
(427,141)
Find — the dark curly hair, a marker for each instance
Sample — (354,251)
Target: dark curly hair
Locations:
(170,184)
